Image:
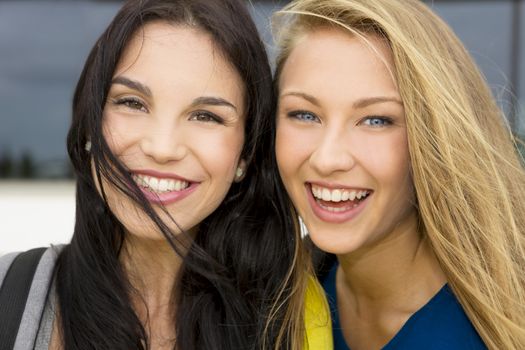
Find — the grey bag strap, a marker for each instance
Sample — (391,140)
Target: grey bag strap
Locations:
(13,294)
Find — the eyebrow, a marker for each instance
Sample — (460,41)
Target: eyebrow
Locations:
(132,84)
(307,97)
(204,100)
(361,103)
(364,102)
(213,101)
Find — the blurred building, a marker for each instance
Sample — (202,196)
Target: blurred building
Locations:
(43,45)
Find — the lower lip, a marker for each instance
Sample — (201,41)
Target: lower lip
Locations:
(166,198)
(335,216)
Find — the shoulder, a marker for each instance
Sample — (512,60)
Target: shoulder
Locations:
(317,318)
(46,259)
(25,282)
(31,269)
(5,263)
(441,324)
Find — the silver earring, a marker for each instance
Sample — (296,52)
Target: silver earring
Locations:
(87,147)
(239,172)
(302,227)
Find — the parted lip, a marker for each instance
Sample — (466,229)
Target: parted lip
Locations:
(168,197)
(340,216)
(161,175)
(336,186)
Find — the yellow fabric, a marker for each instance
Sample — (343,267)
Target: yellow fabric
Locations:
(317,318)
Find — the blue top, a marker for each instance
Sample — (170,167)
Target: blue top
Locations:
(441,324)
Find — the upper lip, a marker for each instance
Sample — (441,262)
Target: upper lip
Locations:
(336,186)
(160,175)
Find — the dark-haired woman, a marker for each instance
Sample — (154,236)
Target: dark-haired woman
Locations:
(181,240)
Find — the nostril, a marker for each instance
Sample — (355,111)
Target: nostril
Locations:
(164,151)
(329,161)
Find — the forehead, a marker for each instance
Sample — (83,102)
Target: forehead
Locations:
(177,56)
(166,42)
(335,58)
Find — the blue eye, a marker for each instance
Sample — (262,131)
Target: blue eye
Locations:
(206,117)
(377,122)
(303,116)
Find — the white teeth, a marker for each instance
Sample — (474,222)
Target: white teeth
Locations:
(137,180)
(337,195)
(153,183)
(326,194)
(163,184)
(160,185)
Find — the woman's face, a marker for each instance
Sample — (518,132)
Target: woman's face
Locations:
(342,142)
(175,118)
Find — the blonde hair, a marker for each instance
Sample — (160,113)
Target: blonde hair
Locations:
(468,178)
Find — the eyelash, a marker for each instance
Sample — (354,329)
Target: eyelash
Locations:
(210,117)
(136,104)
(385,121)
(299,115)
(131,103)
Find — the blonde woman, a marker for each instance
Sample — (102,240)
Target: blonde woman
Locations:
(400,163)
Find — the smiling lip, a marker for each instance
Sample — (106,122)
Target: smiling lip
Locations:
(165,198)
(160,175)
(334,216)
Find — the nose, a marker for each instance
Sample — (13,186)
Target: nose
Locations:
(164,144)
(332,153)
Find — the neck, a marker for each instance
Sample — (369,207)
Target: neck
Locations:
(152,267)
(401,271)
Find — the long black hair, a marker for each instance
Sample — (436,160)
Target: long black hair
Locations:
(239,273)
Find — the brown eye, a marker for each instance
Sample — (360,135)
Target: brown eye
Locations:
(131,103)
(206,117)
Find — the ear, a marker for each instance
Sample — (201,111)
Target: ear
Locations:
(240,172)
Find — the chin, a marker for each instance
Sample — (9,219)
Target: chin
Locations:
(338,243)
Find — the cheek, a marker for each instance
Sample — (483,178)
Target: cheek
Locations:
(220,152)
(387,158)
(120,133)
(399,161)
(120,205)
(290,150)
